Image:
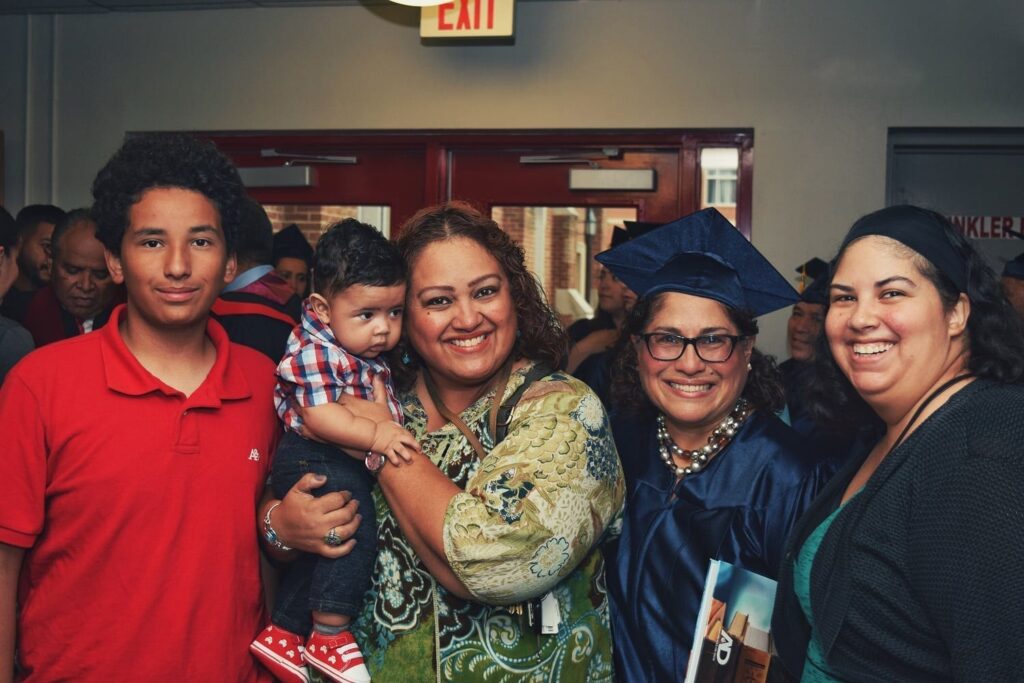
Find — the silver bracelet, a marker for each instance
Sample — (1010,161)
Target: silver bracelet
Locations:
(268,531)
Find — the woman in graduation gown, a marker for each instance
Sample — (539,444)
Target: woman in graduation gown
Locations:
(711,472)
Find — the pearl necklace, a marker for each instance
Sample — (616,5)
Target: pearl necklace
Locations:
(718,440)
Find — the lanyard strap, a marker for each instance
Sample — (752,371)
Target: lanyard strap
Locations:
(917,413)
(500,383)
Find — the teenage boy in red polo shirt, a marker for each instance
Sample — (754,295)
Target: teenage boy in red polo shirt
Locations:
(134,458)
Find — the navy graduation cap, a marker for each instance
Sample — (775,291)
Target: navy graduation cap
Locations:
(1015,268)
(813,269)
(816,292)
(813,281)
(291,243)
(633,230)
(704,255)
(619,236)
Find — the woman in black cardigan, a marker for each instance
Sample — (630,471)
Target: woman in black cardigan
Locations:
(910,564)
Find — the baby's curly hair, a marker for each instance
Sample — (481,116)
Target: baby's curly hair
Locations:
(163,160)
(353,253)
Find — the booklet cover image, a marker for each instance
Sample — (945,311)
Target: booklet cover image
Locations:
(732,641)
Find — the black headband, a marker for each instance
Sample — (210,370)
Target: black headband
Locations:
(918,229)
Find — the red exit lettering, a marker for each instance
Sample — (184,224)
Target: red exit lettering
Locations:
(469,15)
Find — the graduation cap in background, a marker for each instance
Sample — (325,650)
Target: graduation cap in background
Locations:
(633,230)
(291,243)
(704,255)
(1015,267)
(619,236)
(813,281)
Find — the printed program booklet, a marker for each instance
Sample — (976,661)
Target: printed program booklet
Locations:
(732,641)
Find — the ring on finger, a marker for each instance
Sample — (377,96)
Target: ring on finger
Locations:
(332,538)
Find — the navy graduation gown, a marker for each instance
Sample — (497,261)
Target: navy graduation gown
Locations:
(740,509)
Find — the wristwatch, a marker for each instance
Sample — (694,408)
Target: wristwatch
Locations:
(268,531)
(374,462)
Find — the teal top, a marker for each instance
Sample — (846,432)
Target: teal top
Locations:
(815,668)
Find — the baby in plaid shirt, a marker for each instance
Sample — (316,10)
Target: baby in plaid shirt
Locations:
(354,316)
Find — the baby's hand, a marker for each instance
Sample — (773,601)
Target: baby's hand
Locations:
(394,442)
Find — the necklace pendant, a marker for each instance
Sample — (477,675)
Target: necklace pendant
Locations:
(720,437)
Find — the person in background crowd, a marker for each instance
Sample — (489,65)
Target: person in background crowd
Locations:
(711,471)
(590,357)
(293,258)
(802,333)
(1013,283)
(15,341)
(258,308)
(35,227)
(614,300)
(907,567)
(134,458)
(804,336)
(81,293)
(479,531)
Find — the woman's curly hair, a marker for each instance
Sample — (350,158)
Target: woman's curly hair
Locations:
(541,335)
(764,381)
(162,160)
(994,341)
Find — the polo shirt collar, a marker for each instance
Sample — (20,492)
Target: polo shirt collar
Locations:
(243,280)
(126,375)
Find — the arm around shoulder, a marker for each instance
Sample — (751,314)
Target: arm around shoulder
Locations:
(540,501)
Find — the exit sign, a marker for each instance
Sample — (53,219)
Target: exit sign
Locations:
(468,19)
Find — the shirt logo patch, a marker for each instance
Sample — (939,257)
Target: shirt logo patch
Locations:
(254,455)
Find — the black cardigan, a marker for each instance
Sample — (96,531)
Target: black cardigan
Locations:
(921,576)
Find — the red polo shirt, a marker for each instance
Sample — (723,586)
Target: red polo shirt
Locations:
(137,507)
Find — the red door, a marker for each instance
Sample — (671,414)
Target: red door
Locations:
(386,171)
(407,171)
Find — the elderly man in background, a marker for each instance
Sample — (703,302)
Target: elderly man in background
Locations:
(81,292)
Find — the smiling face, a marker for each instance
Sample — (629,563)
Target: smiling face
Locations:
(888,329)
(80,279)
(460,316)
(692,394)
(803,329)
(366,320)
(174,260)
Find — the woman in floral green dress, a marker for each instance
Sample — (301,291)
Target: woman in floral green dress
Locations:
(474,533)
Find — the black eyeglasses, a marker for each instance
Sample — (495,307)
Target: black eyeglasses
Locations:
(710,348)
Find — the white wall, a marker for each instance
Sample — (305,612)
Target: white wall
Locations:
(819,82)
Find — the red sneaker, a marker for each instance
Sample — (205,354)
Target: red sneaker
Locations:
(337,657)
(281,652)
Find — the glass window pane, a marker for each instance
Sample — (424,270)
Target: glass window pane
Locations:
(560,244)
(719,167)
(313,219)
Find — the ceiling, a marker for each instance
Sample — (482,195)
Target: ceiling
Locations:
(93,6)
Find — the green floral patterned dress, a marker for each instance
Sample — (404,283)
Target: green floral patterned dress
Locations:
(529,521)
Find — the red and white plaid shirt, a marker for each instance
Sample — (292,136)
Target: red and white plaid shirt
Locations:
(316,371)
